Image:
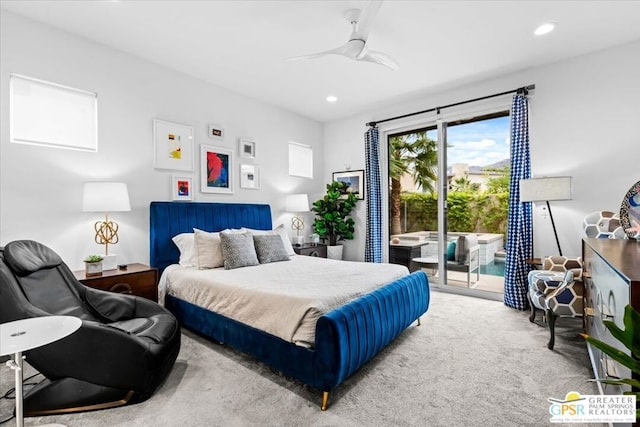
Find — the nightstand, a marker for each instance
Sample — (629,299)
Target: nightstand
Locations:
(311,250)
(137,279)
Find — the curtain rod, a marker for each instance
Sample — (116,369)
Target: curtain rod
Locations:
(523,89)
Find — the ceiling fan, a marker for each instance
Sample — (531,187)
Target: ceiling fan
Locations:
(356,48)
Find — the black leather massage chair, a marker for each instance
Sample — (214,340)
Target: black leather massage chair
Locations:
(123,351)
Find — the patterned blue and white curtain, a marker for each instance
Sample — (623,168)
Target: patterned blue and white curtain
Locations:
(373,241)
(519,224)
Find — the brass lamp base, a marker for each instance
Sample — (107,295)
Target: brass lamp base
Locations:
(106,233)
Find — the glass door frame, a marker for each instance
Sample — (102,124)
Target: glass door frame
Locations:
(441,121)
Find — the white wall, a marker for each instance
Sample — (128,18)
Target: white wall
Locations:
(41,188)
(583,123)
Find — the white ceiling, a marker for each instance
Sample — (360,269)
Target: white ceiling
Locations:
(243,45)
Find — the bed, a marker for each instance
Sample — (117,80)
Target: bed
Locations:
(345,338)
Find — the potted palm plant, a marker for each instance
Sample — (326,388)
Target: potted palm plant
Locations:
(333,222)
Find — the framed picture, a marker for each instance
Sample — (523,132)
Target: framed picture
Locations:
(249,176)
(216,165)
(172,146)
(182,187)
(215,131)
(247,148)
(354,181)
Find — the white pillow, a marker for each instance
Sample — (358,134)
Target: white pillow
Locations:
(208,253)
(280,231)
(186,245)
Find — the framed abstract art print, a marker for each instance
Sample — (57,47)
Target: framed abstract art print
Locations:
(216,166)
(182,187)
(172,146)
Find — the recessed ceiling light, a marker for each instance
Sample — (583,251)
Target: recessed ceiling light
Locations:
(332,98)
(545,28)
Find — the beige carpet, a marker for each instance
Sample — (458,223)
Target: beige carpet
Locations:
(471,362)
(487,282)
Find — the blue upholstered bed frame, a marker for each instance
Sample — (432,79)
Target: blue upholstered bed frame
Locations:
(346,338)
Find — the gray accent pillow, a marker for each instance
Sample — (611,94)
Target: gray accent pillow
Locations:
(238,250)
(270,248)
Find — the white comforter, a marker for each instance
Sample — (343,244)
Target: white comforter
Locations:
(284,298)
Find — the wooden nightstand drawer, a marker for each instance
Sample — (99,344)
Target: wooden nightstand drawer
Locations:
(311,250)
(137,279)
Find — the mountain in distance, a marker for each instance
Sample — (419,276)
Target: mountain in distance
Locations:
(496,165)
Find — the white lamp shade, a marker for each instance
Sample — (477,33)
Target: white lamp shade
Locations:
(105,197)
(297,203)
(545,189)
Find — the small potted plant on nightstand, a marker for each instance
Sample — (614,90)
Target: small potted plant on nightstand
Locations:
(93,265)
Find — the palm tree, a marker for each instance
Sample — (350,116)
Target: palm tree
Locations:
(415,154)
(464,184)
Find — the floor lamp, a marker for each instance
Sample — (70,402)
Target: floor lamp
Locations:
(545,190)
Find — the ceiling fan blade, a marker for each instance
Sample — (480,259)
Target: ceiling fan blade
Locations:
(341,50)
(379,58)
(352,49)
(368,15)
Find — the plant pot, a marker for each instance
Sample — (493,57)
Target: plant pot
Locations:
(334,252)
(93,268)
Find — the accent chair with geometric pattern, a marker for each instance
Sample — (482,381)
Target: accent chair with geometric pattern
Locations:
(557,291)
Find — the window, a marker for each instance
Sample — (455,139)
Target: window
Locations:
(300,160)
(49,114)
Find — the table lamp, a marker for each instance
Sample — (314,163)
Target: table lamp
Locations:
(106,197)
(298,203)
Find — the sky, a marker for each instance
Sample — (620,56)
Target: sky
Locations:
(479,143)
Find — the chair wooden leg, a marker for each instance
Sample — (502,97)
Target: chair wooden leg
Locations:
(551,318)
(532,317)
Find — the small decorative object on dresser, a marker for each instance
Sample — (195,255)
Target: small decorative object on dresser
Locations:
(311,250)
(630,212)
(135,279)
(93,265)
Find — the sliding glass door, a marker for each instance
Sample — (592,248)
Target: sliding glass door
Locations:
(448,199)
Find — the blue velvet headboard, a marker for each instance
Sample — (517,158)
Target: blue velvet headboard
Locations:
(168,219)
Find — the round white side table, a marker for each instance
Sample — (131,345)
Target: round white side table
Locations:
(26,334)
